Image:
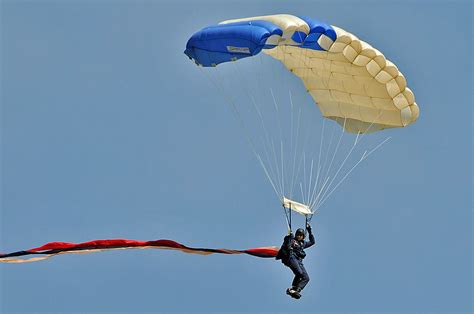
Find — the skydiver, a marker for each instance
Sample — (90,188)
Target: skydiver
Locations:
(292,254)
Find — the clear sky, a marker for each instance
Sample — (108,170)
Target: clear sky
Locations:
(109,131)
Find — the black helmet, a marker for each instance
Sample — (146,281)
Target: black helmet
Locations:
(300,231)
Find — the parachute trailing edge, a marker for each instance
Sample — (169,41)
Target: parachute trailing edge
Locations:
(351,82)
(55,248)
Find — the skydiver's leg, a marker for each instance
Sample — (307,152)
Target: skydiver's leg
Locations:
(297,271)
(304,279)
(294,266)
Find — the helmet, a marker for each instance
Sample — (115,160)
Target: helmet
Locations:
(300,231)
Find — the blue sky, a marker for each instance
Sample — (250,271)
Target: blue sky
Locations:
(109,131)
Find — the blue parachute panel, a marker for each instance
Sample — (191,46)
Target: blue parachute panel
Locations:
(317,29)
(229,42)
(298,37)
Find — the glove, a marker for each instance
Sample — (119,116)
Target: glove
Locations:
(308,227)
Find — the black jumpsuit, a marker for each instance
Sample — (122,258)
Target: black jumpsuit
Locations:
(296,255)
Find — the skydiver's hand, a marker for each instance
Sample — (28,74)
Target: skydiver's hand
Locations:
(308,227)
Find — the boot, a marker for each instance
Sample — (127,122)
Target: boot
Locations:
(293,292)
(297,292)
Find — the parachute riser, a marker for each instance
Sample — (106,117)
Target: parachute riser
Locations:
(288,214)
(288,217)
(307,222)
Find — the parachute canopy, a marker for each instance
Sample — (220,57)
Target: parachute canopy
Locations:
(351,82)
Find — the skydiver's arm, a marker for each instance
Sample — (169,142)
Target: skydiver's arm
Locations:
(311,241)
(289,241)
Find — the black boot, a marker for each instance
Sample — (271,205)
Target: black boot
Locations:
(298,292)
(293,292)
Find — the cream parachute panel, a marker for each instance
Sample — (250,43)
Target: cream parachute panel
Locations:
(352,82)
